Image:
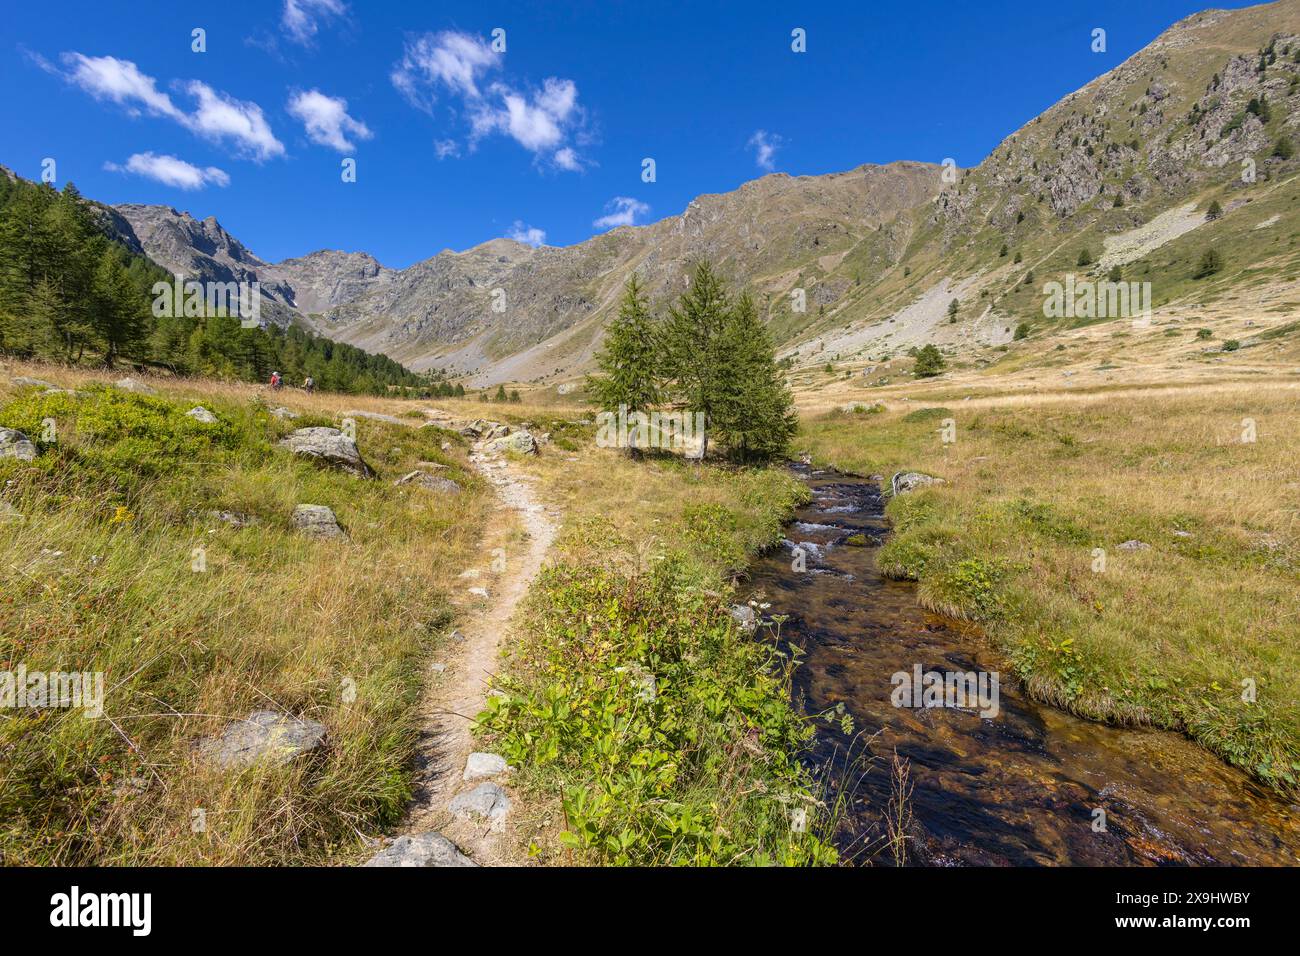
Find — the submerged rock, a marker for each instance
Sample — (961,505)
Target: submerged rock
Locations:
(420,849)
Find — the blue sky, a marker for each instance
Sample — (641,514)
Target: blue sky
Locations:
(456,143)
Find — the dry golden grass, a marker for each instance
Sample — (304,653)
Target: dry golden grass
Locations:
(1165,635)
(276,622)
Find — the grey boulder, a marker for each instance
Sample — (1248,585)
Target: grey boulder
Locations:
(521,442)
(318,521)
(487,802)
(422,849)
(481,766)
(134,385)
(263,735)
(14,444)
(327,445)
(201,414)
(905,481)
(432,482)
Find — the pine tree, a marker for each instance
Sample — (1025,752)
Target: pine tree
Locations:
(630,358)
(754,413)
(692,345)
(119,312)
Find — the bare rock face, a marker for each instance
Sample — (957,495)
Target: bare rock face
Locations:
(521,442)
(431,482)
(329,446)
(263,735)
(905,481)
(317,521)
(14,444)
(420,849)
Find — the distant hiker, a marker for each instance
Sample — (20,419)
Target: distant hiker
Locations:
(275,381)
(309,384)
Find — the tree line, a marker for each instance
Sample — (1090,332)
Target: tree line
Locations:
(68,292)
(709,354)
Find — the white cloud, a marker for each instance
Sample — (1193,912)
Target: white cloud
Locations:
(121,82)
(219,117)
(621,211)
(529,234)
(764,145)
(302,18)
(171,171)
(454,60)
(446,147)
(541,121)
(216,116)
(327,121)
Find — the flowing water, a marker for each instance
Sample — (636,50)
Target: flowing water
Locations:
(1019,788)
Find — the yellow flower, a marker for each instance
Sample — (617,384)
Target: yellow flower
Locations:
(121,516)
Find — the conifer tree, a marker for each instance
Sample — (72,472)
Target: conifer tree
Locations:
(629,359)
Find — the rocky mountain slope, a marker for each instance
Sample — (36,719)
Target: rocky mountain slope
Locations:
(1123,170)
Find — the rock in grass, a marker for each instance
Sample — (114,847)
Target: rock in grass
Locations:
(134,385)
(374,417)
(431,482)
(14,444)
(1134,545)
(482,766)
(521,441)
(905,481)
(744,615)
(23,381)
(263,735)
(201,414)
(318,521)
(327,445)
(487,802)
(282,412)
(421,849)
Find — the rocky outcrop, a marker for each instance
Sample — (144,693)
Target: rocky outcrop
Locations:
(521,442)
(328,446)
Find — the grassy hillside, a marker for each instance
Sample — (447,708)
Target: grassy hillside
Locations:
(98,575)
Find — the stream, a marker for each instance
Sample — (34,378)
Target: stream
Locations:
(1021,788)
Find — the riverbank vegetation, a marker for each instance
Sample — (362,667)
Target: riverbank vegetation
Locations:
(1135,559)
(647,726)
